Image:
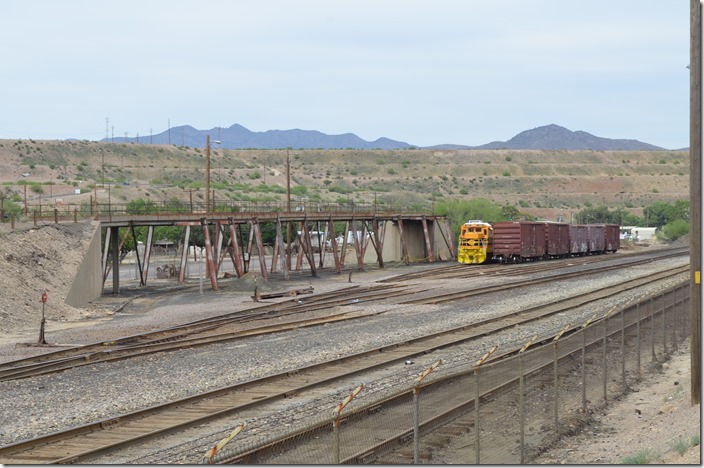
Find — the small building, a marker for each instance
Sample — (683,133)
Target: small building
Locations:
(636,233)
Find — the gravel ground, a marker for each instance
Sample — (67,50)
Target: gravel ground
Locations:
(55,402)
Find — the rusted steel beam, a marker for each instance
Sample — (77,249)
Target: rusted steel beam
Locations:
(360,245)
(428,246)
(217,248)
(307,248)
(377,242)
(299,253)
(279,249)
(250,243)
(449,239)
(184,255)
(234,249)
(147,254)
(343,252)
(106,250)
(260,247)
(209,255)
(333,245)
(404,246)
(136,251)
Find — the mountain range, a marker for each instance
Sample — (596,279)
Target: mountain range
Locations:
(548,137)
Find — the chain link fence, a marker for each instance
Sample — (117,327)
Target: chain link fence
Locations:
(504,410)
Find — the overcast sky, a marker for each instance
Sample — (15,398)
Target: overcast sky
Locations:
(423,72)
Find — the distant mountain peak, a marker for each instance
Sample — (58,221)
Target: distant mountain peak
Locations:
(547,137)
(555,137)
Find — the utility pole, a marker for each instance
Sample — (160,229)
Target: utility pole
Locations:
(288,181)
(207,174)
(695,195)
(288,208)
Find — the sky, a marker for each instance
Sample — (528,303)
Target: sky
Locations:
(422,72)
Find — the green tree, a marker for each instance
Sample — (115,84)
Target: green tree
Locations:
(461,211)
(675,229)
(661,213)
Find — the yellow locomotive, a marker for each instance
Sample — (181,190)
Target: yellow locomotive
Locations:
(475,242)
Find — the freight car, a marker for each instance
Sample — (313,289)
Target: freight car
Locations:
(557,240)
(612,237)
(518,241)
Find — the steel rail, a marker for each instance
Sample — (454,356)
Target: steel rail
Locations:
(162,419)
(453,296)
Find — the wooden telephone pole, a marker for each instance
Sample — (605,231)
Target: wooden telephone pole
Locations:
(695,195)
(207,174)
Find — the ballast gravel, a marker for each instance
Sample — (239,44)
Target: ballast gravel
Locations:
(40,405)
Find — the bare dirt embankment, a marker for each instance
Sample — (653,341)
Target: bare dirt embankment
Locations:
(34,259)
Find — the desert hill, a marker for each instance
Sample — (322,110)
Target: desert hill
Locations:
(544,183)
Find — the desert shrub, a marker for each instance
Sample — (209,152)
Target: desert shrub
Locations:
(643,457)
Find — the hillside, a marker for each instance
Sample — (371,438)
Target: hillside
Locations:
(546,184)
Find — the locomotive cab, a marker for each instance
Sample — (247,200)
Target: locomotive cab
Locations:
(475,242)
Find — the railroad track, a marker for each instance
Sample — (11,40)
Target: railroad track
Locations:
(200,332)
(458,270)
(85,442)
(228,327)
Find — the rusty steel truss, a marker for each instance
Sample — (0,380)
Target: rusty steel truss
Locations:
(223,237)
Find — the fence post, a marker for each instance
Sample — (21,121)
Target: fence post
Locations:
(476,399)
(623,349)
(684,317)
(521,396)
(336,424)
(664,326)
(652,327)
(605,319)
(673,291)
(638,338)
(584,364)
(555,375)
(416,415)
